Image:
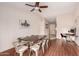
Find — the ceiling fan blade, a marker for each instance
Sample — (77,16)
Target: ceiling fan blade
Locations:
(43,6)
(37,4)
(30,5)
(33,9)
(40,10)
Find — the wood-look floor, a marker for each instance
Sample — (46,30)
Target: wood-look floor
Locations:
(57,47)
(62,48)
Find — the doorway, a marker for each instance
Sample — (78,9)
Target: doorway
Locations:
(51,29)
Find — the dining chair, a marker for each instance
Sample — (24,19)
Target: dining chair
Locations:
(36,47)
(64,37)
(47,43)
(20,48)
(43,45)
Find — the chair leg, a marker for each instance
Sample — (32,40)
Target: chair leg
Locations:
(43,49)
(36,53)
(47,45)
(21,53)
(29,52)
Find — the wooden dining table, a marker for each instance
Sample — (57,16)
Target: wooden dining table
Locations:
(32,40)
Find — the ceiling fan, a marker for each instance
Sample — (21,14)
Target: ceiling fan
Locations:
(37,7)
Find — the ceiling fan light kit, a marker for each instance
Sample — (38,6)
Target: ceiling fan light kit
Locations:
(37,7)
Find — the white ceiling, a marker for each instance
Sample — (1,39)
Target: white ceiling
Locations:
(59,8)
(54,8)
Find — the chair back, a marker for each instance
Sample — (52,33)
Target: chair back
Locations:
(43,42)
(15,44)
(47,41)
(62,35)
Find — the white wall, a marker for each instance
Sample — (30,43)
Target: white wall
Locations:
(10,28)
(67,21)
(76,17)
(64,23)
